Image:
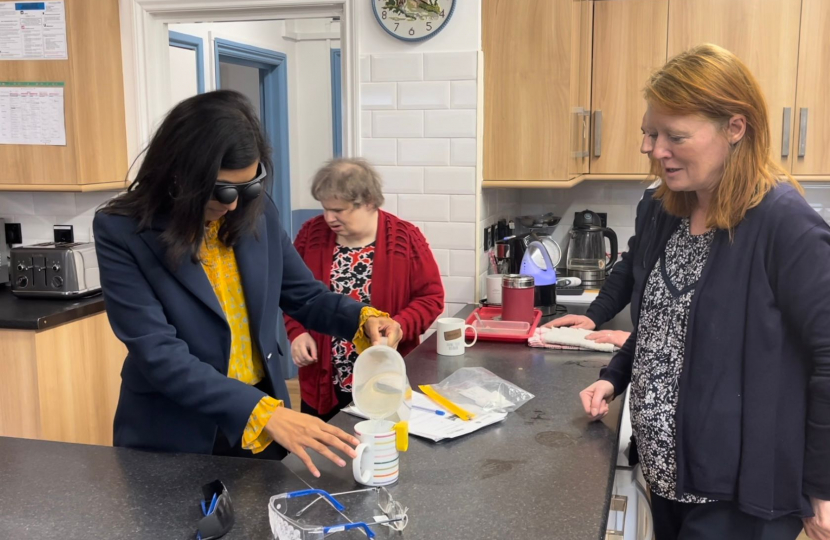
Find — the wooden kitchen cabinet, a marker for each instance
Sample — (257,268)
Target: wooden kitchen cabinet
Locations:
(629,45)
(95,155)
(811,116)
(536,84)
(765,35)
(61,384)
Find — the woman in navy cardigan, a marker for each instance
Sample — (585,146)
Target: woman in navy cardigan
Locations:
(728,367)
(203,371)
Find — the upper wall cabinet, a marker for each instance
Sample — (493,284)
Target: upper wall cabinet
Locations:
(812,112)
(629,44)
(95,155)
(764,34)
(536,88)
(541,55)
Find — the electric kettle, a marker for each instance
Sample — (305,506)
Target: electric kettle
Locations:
(587,259)
(544,276)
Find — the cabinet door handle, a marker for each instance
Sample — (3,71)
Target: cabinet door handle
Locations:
(785,132)
(802,131)
(597,133)
(583,118)
(586,133)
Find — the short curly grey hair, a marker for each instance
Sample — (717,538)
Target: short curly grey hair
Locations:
(348,179)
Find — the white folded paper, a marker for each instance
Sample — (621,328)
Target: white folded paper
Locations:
(428,425)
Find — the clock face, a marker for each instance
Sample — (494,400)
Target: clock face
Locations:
(413,20)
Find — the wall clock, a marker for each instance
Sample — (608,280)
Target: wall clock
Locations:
(413,20)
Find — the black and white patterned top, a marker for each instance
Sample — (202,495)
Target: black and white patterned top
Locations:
(351,274)
(658,358)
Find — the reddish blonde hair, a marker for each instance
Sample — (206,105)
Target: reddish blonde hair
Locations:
(711,82)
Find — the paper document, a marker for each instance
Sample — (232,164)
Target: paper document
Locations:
(429,425)
(33,30)
(32,113)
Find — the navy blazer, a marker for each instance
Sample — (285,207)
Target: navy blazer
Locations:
(753,412)
(175,392)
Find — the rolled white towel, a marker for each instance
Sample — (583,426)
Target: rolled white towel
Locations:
(576,338)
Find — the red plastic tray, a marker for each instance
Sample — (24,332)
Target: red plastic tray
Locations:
(489,313)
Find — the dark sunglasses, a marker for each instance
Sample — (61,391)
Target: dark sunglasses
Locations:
(228,192)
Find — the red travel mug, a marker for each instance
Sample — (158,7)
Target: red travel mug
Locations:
(517,298)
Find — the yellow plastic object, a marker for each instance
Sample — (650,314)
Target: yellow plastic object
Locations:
(444,402)
(401,436)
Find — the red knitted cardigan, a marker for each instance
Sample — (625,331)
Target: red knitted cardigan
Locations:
(406,284)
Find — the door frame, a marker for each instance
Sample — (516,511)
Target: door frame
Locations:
(337,102)
(197,45)
(145,54)
(273,85)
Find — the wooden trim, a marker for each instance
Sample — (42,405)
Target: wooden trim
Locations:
(812,178)
(76,188)
(564,184)
(619,177)
(533,184)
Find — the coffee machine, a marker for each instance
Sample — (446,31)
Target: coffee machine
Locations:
(586,258)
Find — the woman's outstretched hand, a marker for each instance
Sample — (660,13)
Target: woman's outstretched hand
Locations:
(298,432)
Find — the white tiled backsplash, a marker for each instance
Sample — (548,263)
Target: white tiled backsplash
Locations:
(421,136)
(38,212)
(617,199)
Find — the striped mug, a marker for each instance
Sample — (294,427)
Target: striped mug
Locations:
(377,461)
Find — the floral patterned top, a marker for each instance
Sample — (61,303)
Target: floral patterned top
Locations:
(351,274)
(658,358)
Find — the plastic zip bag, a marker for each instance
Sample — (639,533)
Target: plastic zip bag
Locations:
(479,390)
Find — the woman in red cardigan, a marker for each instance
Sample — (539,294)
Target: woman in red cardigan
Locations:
(356,249)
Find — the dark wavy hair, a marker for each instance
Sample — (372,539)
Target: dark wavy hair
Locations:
(201,135)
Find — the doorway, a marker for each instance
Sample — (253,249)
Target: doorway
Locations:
(262,76)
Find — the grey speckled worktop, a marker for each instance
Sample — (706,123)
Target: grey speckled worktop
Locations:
(546,472)
(74,491)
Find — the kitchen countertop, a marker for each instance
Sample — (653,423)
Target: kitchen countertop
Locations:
(545,472)
(74,491)
(42,313)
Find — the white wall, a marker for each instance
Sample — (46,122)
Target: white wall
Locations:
(617,199)
(183,75)
(314,105)
(38,212)
(419,123)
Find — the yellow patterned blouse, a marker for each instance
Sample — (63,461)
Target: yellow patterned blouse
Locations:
(245,364)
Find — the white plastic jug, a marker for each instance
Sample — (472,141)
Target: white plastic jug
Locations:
(379,382)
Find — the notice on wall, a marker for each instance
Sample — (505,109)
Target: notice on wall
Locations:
(32,113)
(33,30)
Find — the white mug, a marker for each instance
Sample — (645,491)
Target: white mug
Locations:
(494,289)
(451,336)
(378,461)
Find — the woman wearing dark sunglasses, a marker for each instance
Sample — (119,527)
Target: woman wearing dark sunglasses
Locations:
(195,268)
